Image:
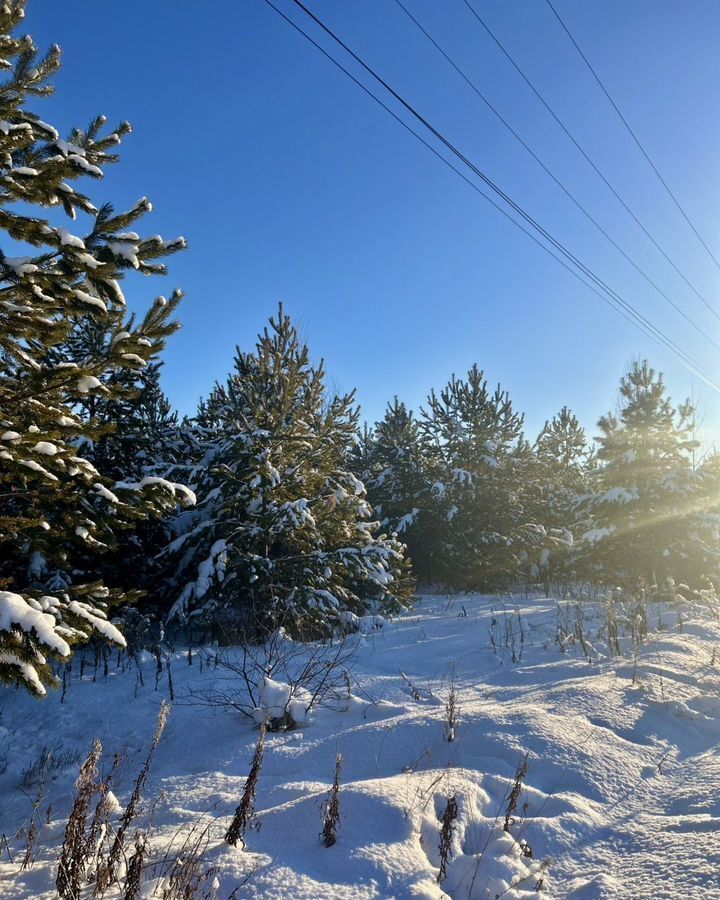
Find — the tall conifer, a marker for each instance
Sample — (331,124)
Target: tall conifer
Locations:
(54,503)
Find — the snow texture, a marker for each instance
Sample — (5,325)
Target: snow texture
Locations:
(620,798)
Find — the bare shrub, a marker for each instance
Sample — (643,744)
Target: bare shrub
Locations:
(320,670)
(51,759)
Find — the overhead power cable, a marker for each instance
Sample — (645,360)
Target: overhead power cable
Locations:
(473,85)
(632,134)
(623,306)
(589,160)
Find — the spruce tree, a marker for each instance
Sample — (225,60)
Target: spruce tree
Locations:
(281,535)
(54,503)
(646,491)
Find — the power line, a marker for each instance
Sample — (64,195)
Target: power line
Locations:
(588,159)
(557,181)
(691,363)
(494,187)
(633,135)
(619,303)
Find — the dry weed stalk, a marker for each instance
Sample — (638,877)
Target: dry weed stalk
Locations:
(246,808)
(134,871)
(107,872)
(447,826)
(515,793)
(332,810)
(73,857)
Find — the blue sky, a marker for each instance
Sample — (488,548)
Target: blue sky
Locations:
(291,185)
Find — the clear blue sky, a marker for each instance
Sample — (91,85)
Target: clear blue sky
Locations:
(290,184)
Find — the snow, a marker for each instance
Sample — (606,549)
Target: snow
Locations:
(46,448)
(88,299)
(27,671)
(597,534)
(36,467)
(16,611)
(66,148)
(619,801)
(44,127)
(89,260)
(127,252)
(87,383)
(188,497)
(619,495)
(120,336)
(70,240)
(83,164)
(20,265)
(407,520)
(133,358)
(112,804)
(274,698)
(104,492)
(6,127)
(95,617)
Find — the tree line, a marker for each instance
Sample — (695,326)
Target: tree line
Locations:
(480,507)
(271,507)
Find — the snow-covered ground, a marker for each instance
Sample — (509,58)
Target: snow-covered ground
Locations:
(621,796)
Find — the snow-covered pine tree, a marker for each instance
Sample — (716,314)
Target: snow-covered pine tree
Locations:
(469,433)
(54,502)
(131,412)
(646,488)
(361,458)
(281,535)
(703,556)
(396,478)
(564,465)
(138,437)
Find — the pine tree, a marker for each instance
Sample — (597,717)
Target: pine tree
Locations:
(281,534)
(564,465)
(646,490)
(129,409)
(396,478)
(469,433)
(139,438)
(54,503)
(703,558)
